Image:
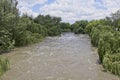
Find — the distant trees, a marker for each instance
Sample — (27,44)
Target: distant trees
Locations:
(90,25)
(65,27)
(52,24)
(115,18)
(79,26)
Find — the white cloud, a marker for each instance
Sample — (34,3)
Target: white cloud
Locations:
(30,3)
(72,10)
(28,11)
(25,6)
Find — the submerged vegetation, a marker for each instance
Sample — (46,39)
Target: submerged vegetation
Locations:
(23,30)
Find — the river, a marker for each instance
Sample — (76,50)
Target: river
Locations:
(65,57)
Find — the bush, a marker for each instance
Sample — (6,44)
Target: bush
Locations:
(4,65)
(54,31)
(107,39)
(108,43)
(90,25)
(97,31)
(112,63)
(27,38)
(37,28)
(79,26)
(6,43)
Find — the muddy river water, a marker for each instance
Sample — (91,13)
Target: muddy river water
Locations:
(65,57)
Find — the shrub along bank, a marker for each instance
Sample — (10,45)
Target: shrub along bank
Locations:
(104,34)
(106,37)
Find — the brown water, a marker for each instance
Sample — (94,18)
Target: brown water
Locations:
(69,57)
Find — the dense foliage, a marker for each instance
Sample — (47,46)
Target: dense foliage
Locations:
(8,14)
(22,30)
(79,26)
(52,24)
(65,27)
(105,35)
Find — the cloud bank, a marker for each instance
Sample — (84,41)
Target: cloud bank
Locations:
(70,10)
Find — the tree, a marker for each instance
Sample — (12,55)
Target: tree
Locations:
(52,24)
(79,26)
(65,27)
(115,18)
(90,25)
(8,16)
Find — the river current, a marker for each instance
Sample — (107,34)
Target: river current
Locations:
(65,57)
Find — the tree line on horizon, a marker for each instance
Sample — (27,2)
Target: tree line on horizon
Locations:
(16,30)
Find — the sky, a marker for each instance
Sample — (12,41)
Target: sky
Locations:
(70,10)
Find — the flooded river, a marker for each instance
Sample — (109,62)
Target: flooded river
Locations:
(66,57)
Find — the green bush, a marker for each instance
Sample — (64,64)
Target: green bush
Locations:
(111,62)
(27,38)
(97,31)
(4,65)
(90,25)
(65,27)
(54,31)
(79,26)
(51,24)
(37,28)
(95,35)
(107,39)
(6,43)
(108,43)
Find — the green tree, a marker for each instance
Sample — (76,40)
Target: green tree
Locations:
(65,27)
(115,18)
(90,25)
(52,24)
(8,16)
(79,26)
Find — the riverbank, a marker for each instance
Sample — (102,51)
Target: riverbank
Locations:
(69,57)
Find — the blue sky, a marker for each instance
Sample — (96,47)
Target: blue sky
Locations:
(36,7)
(70,10)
